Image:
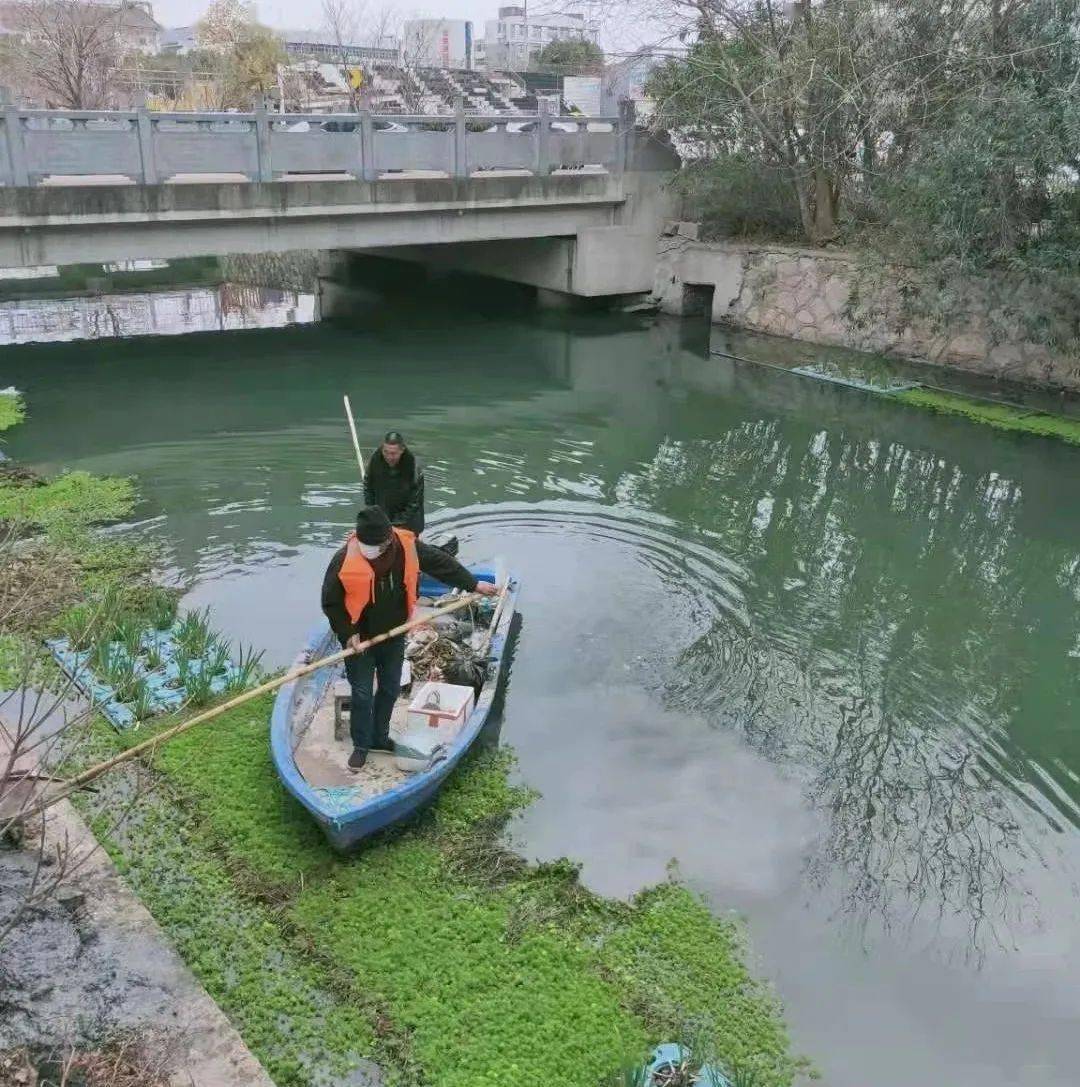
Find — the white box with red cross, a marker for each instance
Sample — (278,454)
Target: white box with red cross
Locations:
(438,710)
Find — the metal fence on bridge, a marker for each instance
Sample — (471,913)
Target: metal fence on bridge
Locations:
(153,148)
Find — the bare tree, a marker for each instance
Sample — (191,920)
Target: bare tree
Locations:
(223,25)
(68,52)
(44,720)
(340,23)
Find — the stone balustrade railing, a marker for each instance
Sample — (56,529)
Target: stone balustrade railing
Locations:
(153,148)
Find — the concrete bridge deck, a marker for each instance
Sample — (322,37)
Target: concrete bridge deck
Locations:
(103,187)
(75,224)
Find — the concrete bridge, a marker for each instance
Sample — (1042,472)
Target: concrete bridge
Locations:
(567,204)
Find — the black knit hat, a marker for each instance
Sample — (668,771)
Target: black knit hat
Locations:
(394,437)
(372,525)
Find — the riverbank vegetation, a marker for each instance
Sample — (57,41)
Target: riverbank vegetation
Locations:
(942,137)
(436,950)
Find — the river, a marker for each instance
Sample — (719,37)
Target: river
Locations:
(820,650)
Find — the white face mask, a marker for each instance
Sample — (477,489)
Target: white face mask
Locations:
(372,551)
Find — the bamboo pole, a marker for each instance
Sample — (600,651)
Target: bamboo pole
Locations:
(355,440)
(75,783)
(495,617)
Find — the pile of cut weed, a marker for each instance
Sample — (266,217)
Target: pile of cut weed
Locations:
(999,416)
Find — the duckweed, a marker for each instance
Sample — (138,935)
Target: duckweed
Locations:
(1000,416)
(73,499)
(531,980)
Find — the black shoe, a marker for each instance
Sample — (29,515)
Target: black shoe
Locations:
(383,745)
(450,546)
(357,760)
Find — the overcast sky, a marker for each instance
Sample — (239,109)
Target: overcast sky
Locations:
(306,14)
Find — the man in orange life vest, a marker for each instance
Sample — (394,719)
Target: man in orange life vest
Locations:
(371,586)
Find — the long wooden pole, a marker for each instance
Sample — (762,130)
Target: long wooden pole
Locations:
(71,785)
(495,617)
(355,440)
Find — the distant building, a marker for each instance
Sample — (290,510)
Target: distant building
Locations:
(317,45)
(516,37)
(437,43)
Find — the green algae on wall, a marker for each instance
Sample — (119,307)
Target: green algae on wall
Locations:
(1000,416)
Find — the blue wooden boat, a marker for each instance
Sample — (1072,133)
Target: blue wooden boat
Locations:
(310,760)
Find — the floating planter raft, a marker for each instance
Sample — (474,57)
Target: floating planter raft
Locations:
(137,671)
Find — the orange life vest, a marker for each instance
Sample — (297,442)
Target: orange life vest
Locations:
(358,577)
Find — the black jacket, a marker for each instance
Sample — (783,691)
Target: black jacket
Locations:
(389,608)
(398,490)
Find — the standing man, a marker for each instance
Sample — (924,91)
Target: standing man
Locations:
(395,481)
(370,587)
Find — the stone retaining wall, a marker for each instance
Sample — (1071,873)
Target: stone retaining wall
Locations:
(807,294)
(293,270)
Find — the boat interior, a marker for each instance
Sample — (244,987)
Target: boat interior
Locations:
(321,740)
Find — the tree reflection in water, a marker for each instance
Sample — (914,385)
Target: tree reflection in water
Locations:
(898,621)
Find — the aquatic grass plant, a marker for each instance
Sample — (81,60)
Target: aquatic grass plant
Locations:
(81,625)
(160,607)
(129,633)
(123,675)
(198,685)
(194,634)
(154,660)
(216,661)
(999,416)
(142,705)
(102,653)
(247,670)
(189,670)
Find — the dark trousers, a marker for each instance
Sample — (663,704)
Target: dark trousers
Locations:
(369,719)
